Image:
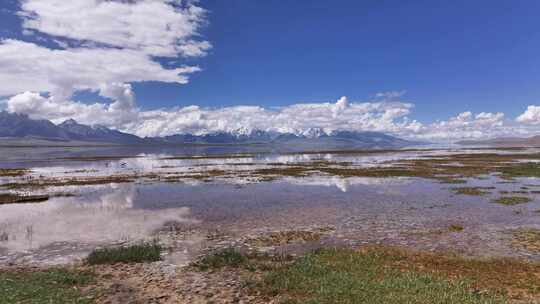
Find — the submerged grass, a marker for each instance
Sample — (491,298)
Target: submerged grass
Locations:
(286,237)
(13,172)
(451,180)
(43,183)
(471,190)
(9,198)
(528,239)
(146,252)
(44,286)
(522,170)
(512,200)
(451,168)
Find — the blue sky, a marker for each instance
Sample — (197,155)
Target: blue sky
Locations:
(449,57)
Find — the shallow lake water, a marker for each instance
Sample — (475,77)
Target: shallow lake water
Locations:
(167,194)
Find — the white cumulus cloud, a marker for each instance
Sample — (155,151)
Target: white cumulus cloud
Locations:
(531,116)
(465,125)
(28,67)
(154,27)
(119,114)
(100,43)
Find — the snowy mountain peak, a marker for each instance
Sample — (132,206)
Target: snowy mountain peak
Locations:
(69,122)
(243,131)
(314,133)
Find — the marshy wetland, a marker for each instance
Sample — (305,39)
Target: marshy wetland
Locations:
(455,221)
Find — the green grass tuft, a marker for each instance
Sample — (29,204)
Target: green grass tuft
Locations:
(228,257)
(147,252)
(57,286)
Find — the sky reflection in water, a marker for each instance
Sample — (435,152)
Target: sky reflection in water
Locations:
(106,214)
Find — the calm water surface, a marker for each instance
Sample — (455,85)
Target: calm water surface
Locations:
(401,211)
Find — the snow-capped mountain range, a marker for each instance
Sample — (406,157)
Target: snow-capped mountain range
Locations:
(19,126)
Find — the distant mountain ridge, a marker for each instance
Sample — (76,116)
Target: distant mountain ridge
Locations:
(533,141)
(17,126)
(20,126)
(98,133)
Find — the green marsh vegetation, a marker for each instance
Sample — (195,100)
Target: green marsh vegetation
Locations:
(228,257)
(378,274)
(512,200)
(138,253)
(45,286)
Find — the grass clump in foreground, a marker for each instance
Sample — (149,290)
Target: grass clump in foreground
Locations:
(512,200)
(456,228)
(287,237)
(345,276)
(44,286)
(146,252)
(388,275)
(228,257)
(378,274)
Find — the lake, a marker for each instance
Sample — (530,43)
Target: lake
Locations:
(61,203)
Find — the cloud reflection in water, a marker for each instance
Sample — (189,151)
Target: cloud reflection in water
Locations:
(102,217)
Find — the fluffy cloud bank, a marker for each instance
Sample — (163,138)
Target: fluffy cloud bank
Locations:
(465,125)
(100,43)
(154,27)
(298,118)
(120,114)
(29,67)
(384,116)
(531,116)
